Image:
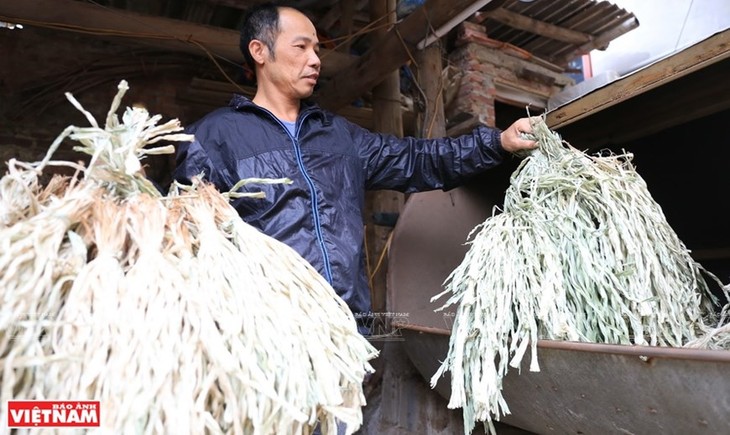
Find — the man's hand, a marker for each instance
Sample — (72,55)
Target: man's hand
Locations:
(512,140)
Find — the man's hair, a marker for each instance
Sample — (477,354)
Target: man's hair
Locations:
(261,22)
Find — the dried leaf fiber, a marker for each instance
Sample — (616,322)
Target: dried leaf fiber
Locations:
(581,252)
(171,311)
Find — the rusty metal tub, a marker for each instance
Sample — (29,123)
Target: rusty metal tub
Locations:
(582,388)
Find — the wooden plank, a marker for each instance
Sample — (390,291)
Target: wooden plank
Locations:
(707,52)
(692,96)
(390,52)
(538,27)
(164,33)
(407,405)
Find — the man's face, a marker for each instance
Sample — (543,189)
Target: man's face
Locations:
(295,67)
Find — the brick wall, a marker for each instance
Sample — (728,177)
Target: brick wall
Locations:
(476,92)
(493,71)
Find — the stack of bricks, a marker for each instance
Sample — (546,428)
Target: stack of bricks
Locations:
(493,70)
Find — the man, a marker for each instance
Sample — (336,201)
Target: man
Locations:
(331,161)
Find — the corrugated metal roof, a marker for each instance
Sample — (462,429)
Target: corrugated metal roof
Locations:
(599,21)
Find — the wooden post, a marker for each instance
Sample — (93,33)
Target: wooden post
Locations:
(433,122)
(400,401)
(347,8)
(387,119)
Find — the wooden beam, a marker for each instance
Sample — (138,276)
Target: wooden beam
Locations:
(237,4)
(537,27)
(164,33)
(390,52)
(328,20)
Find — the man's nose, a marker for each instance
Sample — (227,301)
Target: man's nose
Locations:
(314,60)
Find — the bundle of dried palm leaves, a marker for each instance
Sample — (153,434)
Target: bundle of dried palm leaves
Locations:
(581,252)
(171,311)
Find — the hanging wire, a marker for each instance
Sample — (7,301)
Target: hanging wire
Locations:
(684,23)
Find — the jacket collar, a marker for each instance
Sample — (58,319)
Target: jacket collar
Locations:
(239,102)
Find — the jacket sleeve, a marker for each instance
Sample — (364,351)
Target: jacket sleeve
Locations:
(198,158)
(413,165)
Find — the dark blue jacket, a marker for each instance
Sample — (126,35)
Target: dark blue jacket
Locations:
(332,163)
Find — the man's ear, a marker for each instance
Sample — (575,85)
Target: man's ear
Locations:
(259,51)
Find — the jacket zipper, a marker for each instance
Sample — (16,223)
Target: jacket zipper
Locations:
(312,191)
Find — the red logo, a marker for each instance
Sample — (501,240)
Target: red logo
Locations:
(57,413)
